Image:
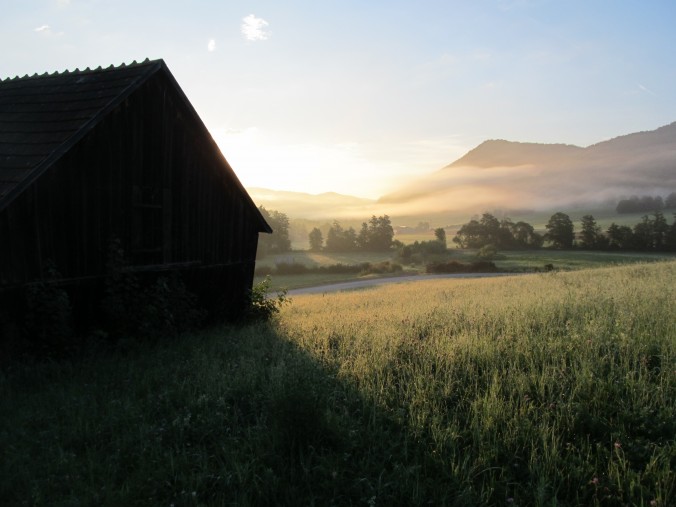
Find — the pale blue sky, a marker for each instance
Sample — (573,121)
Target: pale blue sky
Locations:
(359,96)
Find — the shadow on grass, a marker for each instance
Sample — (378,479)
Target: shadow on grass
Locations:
(231,416)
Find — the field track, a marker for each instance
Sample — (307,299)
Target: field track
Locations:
(372,282)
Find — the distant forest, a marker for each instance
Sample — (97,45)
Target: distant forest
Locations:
(652,234)
(646,203)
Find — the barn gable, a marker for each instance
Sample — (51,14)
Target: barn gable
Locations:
(88,156)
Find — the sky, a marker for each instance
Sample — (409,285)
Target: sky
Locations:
(361,97)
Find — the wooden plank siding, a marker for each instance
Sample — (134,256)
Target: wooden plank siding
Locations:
(149,174)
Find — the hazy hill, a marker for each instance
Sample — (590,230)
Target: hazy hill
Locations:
(500,173)
(509,175)
(328,205)
(507,153)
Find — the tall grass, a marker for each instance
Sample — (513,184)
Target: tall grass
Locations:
(541,389)
(551,389)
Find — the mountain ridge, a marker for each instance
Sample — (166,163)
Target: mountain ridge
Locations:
(507,173)
(510,174)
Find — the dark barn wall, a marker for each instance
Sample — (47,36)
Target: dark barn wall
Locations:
(150,175)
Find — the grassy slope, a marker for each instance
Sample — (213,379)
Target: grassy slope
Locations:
(555,389)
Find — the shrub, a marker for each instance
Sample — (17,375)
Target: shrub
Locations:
(451,267)
(341,269)
(381,268)
(150,309)
(260,306)
(446,267)
(487,252)
(291,268)
(48,314)
(482,267)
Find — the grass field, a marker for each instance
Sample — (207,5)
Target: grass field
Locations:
(545,389)
(517,260)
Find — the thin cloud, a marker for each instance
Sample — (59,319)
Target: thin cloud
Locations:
(646,90)
(253,28)
(63,3)
(46,31)
(211,45)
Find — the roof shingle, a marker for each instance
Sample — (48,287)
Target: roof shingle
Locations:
(41,116)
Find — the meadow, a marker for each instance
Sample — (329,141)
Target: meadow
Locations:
(513,261)
(544,389)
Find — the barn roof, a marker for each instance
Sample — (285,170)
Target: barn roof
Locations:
(43,116)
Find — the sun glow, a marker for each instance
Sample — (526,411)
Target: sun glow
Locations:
(262,161)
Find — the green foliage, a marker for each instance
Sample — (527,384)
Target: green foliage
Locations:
(560,231)
(278,241)
(450,267)
(590,236)
(151,310)
(316,240)
(503,234)
(375,236)
(620,237)
(646,203)
(487,252)
(48,315)
(420,251)
(341,240)
(297,268)
(650,234)
(262,307)
(440,235)
(381,268)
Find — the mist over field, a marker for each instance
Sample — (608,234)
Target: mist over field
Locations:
(513,175)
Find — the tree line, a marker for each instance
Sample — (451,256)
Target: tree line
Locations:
(376,235)
(652,234)
(646,203)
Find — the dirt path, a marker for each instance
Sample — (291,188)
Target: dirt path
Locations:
(372,282)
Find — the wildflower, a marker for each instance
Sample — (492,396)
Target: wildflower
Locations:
(595,481)
(618,445)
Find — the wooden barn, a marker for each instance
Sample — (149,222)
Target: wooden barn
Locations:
(118,154)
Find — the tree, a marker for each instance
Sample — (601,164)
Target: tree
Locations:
(642,239)
(491,229)
(671,236)
(502,234)
(620,237)
(560,231)
(440,235)
(590,234)
(340,240)
(376,235)
(660,230)
(470,235)
(278,241)
(525,236)
(670,201)
(316,240)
